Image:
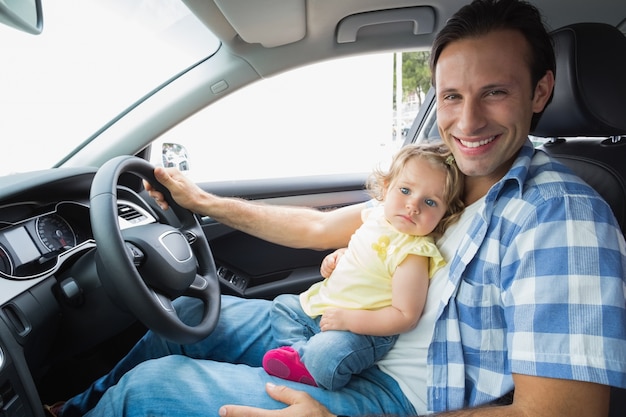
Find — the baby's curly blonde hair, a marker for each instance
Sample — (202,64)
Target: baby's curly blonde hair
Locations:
(438,155)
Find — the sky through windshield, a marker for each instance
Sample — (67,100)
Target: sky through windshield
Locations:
(93,59)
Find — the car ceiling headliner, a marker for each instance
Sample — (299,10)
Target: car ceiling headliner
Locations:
(261,30)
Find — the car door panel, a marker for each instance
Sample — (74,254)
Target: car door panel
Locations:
(253,268)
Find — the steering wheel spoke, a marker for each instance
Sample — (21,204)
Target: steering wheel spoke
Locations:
(163,301)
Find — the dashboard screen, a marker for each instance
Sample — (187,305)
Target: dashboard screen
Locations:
(23,246)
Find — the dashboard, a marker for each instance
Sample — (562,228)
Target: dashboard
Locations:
(45,223)
(51,294)
(38,245)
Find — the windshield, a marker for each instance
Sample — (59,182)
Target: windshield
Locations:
(93,59)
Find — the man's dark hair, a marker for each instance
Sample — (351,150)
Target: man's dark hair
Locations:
(484,16)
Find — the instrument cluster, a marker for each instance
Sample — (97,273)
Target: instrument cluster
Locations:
(32,247)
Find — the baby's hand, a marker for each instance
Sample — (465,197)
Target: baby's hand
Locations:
(330,262)
(333,319)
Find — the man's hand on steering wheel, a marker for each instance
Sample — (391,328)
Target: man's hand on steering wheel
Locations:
(183,191)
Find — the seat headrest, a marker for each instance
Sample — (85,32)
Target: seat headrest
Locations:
(590,86)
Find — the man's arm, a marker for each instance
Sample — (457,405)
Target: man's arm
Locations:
(296,227)
(548,397)
(534,397)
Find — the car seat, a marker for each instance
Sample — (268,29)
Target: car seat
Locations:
(589,108)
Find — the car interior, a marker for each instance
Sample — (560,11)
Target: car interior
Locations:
(52,302)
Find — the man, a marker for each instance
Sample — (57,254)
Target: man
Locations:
(513,309)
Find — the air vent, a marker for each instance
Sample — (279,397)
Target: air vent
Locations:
(130,214)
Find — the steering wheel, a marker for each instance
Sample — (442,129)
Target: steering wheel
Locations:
(148,266)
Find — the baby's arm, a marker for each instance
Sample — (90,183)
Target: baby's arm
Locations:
(409,288)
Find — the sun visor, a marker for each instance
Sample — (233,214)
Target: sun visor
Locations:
(263,21)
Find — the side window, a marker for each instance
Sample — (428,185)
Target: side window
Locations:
(330,118)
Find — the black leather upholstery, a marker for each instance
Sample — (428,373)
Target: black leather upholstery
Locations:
(590,90)
(590,100)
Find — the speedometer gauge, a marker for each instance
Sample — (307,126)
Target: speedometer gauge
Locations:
(55,233)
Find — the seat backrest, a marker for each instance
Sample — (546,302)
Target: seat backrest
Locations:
(589,93)
(590,101)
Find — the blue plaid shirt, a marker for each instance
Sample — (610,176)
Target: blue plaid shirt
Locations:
(537,288)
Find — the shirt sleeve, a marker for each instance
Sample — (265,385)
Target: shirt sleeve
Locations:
(563,287)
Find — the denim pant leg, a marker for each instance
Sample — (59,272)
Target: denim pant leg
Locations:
(242,335)
(334,356)
(178,386)
(291,326)
(331,357)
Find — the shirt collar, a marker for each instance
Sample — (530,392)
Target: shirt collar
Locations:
(516,176)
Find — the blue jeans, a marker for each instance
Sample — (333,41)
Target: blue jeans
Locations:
(160,378)
(331,357)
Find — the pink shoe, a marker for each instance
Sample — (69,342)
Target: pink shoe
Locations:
(285,363)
